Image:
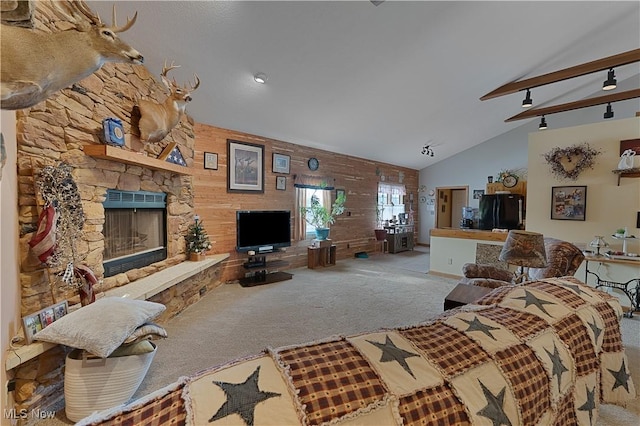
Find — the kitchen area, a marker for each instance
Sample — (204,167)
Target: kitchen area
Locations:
(469,234)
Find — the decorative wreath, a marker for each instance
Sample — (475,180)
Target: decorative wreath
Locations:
(570,162)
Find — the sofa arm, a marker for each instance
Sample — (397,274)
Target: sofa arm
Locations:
(475,270)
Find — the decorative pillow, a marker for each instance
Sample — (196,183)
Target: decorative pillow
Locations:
(144,332)
(99,328)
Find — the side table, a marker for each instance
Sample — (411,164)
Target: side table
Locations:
(464,294)
(321,256)
(631,288)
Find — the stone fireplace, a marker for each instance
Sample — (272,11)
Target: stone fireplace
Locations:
(134,230)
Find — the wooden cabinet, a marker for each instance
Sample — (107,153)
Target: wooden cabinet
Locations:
(520,188)
(321,256)
(400,241)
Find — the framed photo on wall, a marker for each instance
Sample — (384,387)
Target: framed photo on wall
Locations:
(245,163)
(568,202)
(281,163)
(281,183)
(211,160)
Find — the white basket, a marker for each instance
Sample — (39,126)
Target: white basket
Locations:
(100,383)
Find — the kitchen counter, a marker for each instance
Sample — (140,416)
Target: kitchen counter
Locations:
(469,234)
(451,248)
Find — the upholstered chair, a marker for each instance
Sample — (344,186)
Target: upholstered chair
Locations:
(563,258)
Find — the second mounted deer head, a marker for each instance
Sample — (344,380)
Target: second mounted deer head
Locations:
(36,64)
(157,120)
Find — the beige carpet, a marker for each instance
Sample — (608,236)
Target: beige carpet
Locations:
(355,296)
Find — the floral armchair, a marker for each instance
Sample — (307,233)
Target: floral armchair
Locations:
(563,259)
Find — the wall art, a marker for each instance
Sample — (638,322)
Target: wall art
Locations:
(245,163)
(568,202)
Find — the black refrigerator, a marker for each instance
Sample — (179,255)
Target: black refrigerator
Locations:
(504,211)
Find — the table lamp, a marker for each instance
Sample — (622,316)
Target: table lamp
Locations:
(525,249)
(598,242)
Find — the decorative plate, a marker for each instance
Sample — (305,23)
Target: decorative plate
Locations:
(510,181)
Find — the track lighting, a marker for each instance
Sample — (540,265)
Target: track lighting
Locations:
(609,112)
(260,78)
(543,124)
(528,102)
(611,82)
(427,150)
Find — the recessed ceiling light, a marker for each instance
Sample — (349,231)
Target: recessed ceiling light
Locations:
(260,78)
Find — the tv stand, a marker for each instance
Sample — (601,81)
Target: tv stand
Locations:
(259,274)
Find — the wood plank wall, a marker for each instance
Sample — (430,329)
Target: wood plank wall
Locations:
(352,232)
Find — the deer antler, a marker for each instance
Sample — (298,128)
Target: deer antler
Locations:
(129,24)
(197,82)
(164,72)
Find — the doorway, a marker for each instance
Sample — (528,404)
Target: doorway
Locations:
(449,203)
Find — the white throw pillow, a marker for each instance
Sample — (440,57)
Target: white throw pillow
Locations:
(99,328)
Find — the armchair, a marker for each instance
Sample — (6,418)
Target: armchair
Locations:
(563,259)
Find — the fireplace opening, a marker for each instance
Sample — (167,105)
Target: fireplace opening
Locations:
(135,233)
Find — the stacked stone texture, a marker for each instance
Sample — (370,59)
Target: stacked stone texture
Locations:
(57,130)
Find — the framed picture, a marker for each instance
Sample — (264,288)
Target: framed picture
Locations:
(281,163)
(38,320)
(339,192)
(211,160)
(245,163)
(568,202)
(281,183)
(478,193)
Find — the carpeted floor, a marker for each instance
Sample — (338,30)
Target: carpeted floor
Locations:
(354,296)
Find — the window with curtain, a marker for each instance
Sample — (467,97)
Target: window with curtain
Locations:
(391,199)
(304,230)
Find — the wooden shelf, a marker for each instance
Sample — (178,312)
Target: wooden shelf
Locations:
(632,173)
(113,153)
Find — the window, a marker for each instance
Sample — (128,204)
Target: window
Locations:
(390,200)
(305,230)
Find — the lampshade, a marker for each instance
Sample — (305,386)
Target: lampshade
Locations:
(524,248)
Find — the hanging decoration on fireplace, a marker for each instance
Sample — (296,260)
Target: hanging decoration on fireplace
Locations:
(59,227)
(568,163)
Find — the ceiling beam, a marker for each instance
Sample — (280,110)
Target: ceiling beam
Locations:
(584,103)
(587,68)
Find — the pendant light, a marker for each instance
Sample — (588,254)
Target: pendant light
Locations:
(527,102)
(543,124)
(609,112)
(610,83)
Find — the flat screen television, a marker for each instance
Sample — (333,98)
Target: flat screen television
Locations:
(262,231)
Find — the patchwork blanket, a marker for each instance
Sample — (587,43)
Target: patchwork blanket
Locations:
(545,352)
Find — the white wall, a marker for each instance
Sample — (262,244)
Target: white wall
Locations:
(9,261)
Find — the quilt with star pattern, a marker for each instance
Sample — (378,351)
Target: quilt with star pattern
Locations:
(545,352)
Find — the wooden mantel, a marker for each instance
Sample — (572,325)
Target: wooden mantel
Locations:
(113,153)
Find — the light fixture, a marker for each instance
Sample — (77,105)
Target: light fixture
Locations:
(609,112)
(527,102)
(610,83)
(427,150)
(525,249)
(260,78)
(543,124)
(598,242)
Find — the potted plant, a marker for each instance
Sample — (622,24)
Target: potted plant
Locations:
(320,217)
(197,240)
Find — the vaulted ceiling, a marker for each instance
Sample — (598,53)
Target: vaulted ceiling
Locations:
(379,82)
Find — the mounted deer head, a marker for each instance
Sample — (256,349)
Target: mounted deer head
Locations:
(36,64)
(157,120)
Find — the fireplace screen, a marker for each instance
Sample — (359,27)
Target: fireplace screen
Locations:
(134,230)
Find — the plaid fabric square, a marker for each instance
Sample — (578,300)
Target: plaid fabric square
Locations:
(166,410)
(612,341)
(451,350)
(528,379)
(434,406)
(568,297)
(495,297)
(522,324)
(574,334)
(333,379)
(566,412)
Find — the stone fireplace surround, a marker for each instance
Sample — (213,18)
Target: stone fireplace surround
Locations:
(63,129)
